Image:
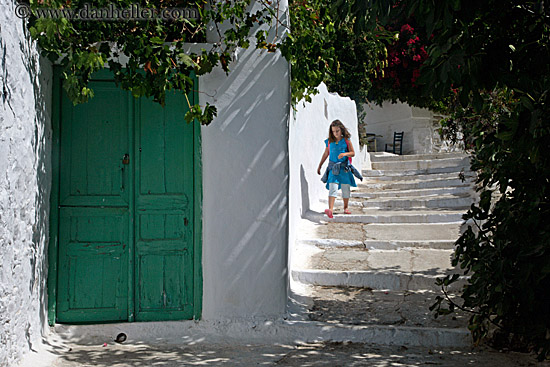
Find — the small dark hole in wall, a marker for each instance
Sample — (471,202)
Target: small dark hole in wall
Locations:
(120,338)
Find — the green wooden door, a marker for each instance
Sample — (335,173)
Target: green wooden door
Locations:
(125,209)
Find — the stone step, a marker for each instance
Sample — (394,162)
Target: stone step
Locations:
(391,216)
(441,201)
(380,244)
(402,184)
(366,306)
(398,270)
(330,233)
(414,232)
(438,202)
(367,193)
(398,244)
(384,176)
(427,171)
(331,242)
(385,157)
(356,204)
(391,280)
(456,164)
(382,236)
(345,259)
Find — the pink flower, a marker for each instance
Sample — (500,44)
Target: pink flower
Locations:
(407,28)
(413,40)
(417,58)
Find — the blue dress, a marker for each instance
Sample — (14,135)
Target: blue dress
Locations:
(344,177)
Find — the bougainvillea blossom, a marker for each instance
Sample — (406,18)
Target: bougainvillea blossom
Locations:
(406,54)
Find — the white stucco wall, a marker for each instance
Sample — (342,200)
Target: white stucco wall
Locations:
(307,133)
(419,124)
(25,135)
(245,187)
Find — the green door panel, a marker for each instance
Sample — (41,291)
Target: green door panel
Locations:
(164,204)
(164,284)
(93,274)
(94,212)
(94,140)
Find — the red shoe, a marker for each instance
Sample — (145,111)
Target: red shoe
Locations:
(347,211)
(328,212)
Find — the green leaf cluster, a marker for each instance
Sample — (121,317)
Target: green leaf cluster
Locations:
(323,48)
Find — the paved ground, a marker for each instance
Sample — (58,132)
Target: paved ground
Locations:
(314,354)
(363,306)
(343,354)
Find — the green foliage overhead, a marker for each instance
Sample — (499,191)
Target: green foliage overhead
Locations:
(147,57)
(308,47)
(358,56)
(321,49)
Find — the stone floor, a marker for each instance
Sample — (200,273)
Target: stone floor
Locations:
(356,354)
(363,306)
(308,354)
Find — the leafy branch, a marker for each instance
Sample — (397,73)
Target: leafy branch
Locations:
(156,61)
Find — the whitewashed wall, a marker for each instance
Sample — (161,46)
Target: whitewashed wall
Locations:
(307,133)
(25,144)
(245,187)
(419,124)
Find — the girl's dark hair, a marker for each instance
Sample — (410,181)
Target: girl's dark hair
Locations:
(345,132)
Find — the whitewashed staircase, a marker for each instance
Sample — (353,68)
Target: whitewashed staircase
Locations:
(406,216)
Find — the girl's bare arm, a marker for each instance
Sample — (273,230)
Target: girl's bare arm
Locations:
(351,152)
(323,159)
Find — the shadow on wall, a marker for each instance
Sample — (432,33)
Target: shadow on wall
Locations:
(24,94)
(246,178)
(305,191)
(40,73)
(6,91)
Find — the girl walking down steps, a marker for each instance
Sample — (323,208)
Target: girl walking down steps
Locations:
(339,173)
